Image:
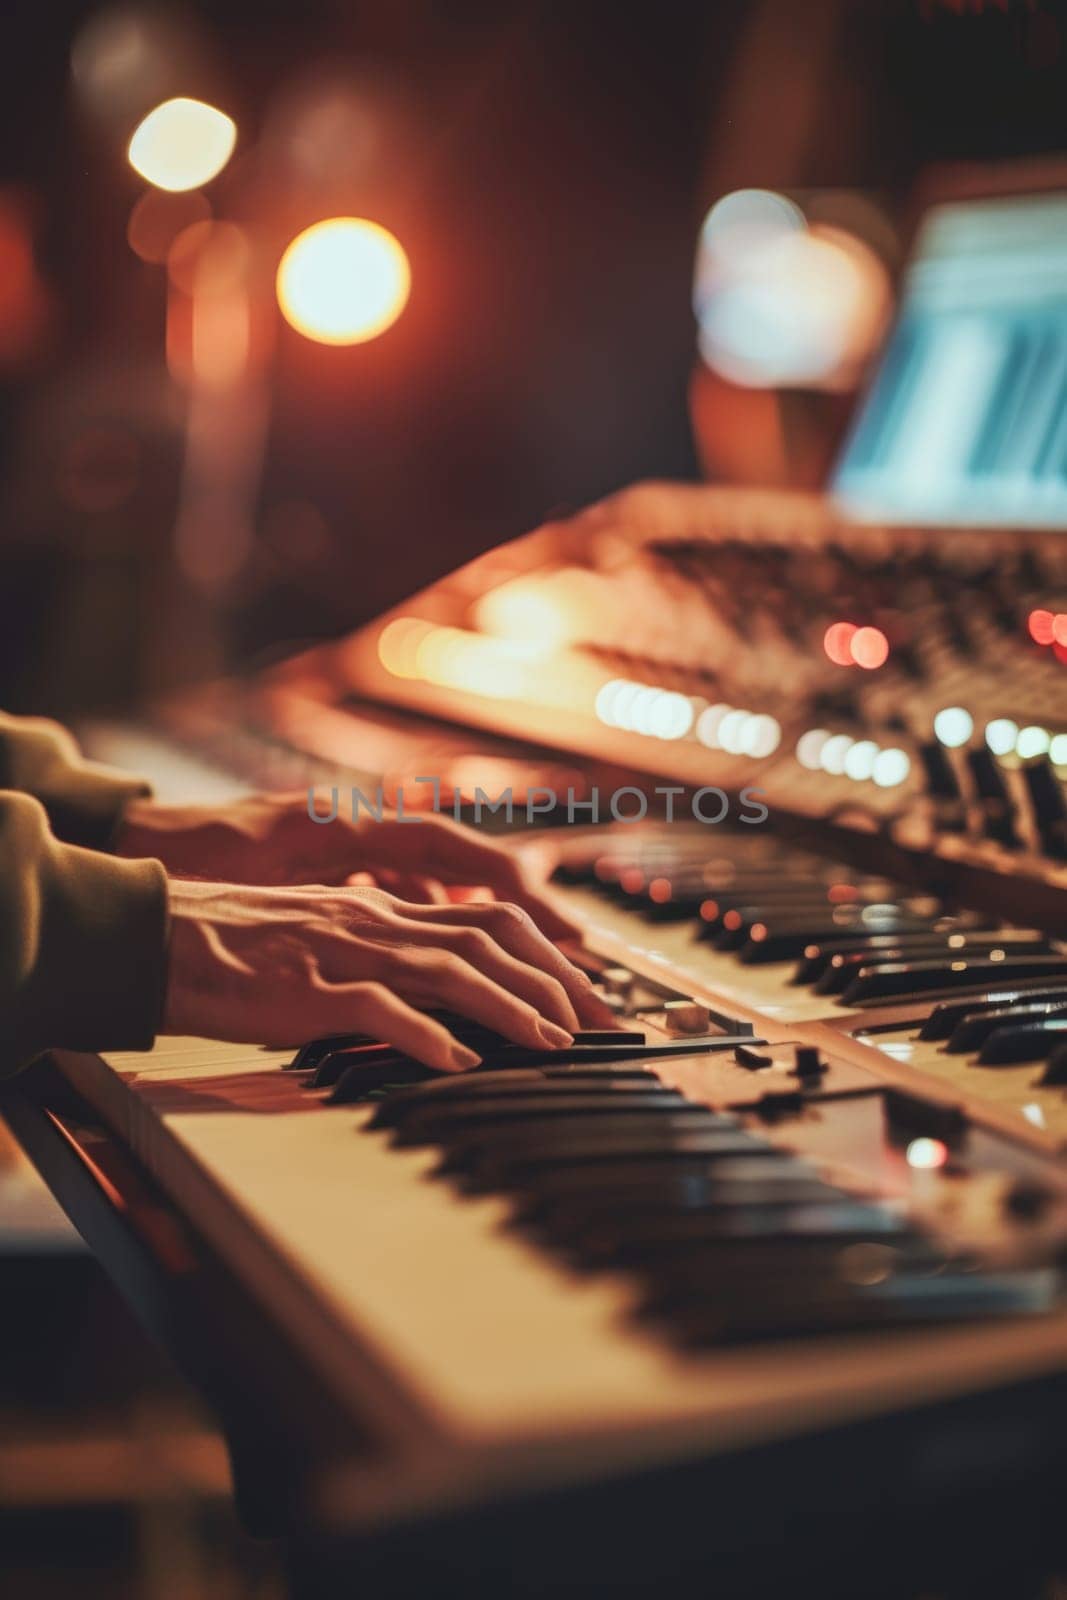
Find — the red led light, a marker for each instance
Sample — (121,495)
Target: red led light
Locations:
(837,642)
(632,880)
(732,920)
(709,910)
(1059,628)
(1040,625)
(659,890)
(841,893)
(1060,652)
(758,932)
(869,648)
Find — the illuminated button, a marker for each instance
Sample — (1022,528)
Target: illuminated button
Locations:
(833,753)
(1032,741)
(809,748)
(859,762)
(891,767)
(837,641)
(869,648)
(1001,734)
(953,726)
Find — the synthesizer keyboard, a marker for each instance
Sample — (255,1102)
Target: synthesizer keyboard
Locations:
(729,1222)
(818,1180)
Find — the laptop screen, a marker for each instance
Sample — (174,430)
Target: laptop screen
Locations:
(966,420)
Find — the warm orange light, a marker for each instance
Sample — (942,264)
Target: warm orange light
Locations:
(182,144)
(869,648)
(1040,624)
(343,281)
(837,641)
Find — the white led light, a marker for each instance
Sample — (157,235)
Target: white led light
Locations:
(1032,741)
(642,708)
(953,726)
(1001,734)
(605,701)
(708,725)
(859,763)
(890,768)
(1057,750)
(833,753)
(762,736)
(671,717)
(809,748)
(732,731)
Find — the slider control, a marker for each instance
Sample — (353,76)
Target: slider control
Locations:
(687,1016)
(1050,812)
(998,813)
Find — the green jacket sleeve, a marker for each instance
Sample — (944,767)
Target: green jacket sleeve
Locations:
(83,799)
(83,940)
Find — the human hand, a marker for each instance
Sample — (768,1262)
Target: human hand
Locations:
(280,966)
(270,839)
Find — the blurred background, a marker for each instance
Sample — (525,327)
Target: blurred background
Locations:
(191,483)
(300,307)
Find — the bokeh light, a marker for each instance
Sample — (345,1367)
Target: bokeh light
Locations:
(182,144)
(343,281)
(779,301)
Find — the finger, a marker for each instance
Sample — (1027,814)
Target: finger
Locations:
(532,982)
(417,888)
(370,1008)
(517,933)
(456,855)
(435,977)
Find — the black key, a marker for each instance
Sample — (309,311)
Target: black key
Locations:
(310,1054)
(659,1240)
(972,1030)
(522,1083)
(363,1083)
(944,1018)
(333,1063)
(1055,1072)
(823,1306)
(776,942)
(652,1184)
(1027,1042)
(505,1163)
(839,970)
(442,1121)
(564,1216)
(899,980)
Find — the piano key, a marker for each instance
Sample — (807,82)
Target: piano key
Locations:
(660,1241)
(819,1308)
(1055,1071)
(830,969)
(442,1122)
(561,1212)
(900,980)
(1026,1042)
(359,1077)
(504,1163)
(973,1029)
(334,1063)
(945,1016)
(518,1083)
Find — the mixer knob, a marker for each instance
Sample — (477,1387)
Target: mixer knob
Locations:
(687,1016)
(617,981)
(808,1063)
